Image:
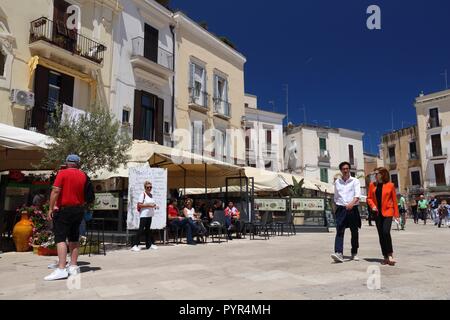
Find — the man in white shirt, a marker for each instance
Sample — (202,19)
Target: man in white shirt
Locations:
(347,192)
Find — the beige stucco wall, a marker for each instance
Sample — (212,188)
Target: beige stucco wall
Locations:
(403,165)
(96,23)
(441,101)
(190,45)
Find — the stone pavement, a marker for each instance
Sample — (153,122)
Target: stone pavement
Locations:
(289,268)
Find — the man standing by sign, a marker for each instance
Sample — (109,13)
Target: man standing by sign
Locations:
(346,197)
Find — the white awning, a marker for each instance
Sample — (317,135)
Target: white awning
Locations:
(20,139)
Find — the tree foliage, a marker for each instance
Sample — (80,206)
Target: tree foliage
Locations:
(96,137)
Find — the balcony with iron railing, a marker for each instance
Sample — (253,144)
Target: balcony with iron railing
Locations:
(198,100)
(437,154)
(222,108)
(55,39)
(413,156)
(324,156)
(162,65)
(433,123)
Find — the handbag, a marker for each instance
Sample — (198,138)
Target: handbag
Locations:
(138,207)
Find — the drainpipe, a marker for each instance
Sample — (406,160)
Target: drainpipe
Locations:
(172,28)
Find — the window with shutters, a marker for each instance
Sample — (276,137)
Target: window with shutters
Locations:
(197,129)
(351,155)
(151,43)
(394,180)
(197,86)
(148,124)
(324,175)
(221,104)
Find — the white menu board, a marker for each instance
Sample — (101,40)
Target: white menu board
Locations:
(137,177)
(307,204)
(270,204)
(106,201)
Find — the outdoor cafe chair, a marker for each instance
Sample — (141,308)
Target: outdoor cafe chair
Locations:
(217,228)
(287,225)
(261,228)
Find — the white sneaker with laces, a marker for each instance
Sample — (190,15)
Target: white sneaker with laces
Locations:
(135,249)
(58,274)
(73,270)
(153,247)
(337,257)
(355,257)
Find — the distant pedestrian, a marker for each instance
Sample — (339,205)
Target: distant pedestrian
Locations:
(69,193)
(402,210)
(443,211)
(414,211)
(434,205)
(147,206)
(346,197)
(382,198)
(423,209)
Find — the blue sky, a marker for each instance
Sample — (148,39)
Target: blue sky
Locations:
(335,67)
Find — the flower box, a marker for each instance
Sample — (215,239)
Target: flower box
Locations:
(47,251)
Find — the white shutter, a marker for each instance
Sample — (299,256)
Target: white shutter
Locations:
(216,86)
(198,137)
(191,75)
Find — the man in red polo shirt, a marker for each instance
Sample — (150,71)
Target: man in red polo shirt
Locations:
(68,193)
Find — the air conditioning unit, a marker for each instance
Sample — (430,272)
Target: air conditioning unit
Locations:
(23,98)
(113,184)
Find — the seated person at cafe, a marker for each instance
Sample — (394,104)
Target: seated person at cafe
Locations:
(175,221)
(193,218)
(232,220)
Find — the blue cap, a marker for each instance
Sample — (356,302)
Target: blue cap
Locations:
(73,158)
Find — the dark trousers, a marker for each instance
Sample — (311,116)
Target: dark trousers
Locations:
(415,214)
(384,225)
(229,223)
(423,213)
(344,220)
(183,224)
(144,228)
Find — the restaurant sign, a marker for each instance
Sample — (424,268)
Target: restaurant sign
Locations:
(106,201)
(270,205)
(307,204)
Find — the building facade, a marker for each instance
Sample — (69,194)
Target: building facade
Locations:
(433,121)
(50,59)
(264,137)
(209,85)
(143,69)
(402,157)
(315,152)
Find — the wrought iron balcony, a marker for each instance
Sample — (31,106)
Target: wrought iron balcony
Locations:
(198,100)
(437,153)
(57,33)
(164,59)
(434,123)
(222,108)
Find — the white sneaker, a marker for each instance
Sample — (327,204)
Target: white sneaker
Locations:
(337,257)
(355,257)
(73,270)
(58,274)
(135,249)
(55,265)
(153,247)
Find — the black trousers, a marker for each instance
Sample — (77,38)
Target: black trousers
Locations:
(384,225)
(144,228)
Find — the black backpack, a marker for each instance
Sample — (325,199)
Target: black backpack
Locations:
(89,193)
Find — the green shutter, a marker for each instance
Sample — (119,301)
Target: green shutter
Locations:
(323,144)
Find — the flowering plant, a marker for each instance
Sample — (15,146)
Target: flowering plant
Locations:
(42,235)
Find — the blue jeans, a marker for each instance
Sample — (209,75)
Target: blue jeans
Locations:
(83,228)
(186,224)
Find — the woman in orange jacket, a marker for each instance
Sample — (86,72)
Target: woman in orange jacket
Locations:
(382,199)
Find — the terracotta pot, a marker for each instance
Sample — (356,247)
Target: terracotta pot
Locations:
(22,232)
(35,248)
